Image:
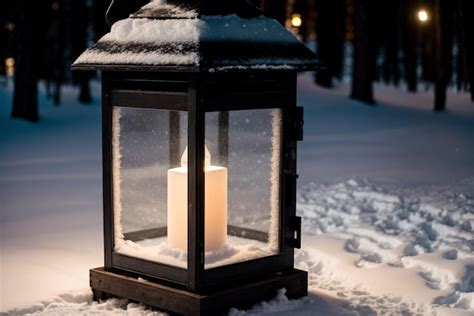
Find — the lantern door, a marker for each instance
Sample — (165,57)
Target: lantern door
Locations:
(146,178)
(247,203)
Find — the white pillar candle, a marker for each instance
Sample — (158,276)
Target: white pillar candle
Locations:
(215,206)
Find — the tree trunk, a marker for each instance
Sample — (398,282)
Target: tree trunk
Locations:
(25,101)
(361,76)
(330,29)
(390,39)
(79,44)
(443,53)
(466,13)
(55,49)
(3,36)
(427,48)
(409,43)
(376,34)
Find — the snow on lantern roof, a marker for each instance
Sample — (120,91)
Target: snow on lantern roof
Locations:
(158,9)
(165,37)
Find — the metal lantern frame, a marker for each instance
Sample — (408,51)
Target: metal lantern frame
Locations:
(233,73)
(198,94)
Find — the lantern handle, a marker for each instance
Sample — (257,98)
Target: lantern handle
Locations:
(121,9)
(243,8)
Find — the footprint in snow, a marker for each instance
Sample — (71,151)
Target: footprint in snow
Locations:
(368,260)
(352,244)
(431,281)
(451,254)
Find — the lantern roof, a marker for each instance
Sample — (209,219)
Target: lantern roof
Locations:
(181,37)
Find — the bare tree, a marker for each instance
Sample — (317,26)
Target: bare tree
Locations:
(465,13)
(79,21)
(443,19)
(330,29)
(25,103)
(409,44)
(390,39)
(361,74)
(54,51)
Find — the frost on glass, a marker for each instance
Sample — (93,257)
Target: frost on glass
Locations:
(242,185)
(142,157)
(250,183)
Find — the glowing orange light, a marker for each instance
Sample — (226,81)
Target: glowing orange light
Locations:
(423,16)
(10,62)
(296,20)
(10,66)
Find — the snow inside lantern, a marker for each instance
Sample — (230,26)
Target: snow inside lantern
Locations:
(200,127)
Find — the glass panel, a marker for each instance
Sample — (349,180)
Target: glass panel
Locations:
(242,194)
(146,149)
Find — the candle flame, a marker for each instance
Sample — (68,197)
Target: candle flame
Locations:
(207,157)
(423,16)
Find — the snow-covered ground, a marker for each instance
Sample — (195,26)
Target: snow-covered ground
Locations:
(386,194)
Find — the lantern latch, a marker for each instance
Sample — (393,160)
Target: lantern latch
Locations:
(299,122)
(295,226)
(290,159)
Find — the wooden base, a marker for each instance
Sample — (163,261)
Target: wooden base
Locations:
(105,284)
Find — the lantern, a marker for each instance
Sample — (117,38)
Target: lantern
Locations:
(200,126)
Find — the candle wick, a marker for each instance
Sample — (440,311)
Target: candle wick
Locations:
(207,157)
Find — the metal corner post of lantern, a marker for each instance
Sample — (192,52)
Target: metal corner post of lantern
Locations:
(200,131)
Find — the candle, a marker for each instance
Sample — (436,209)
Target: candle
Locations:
(215,205)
